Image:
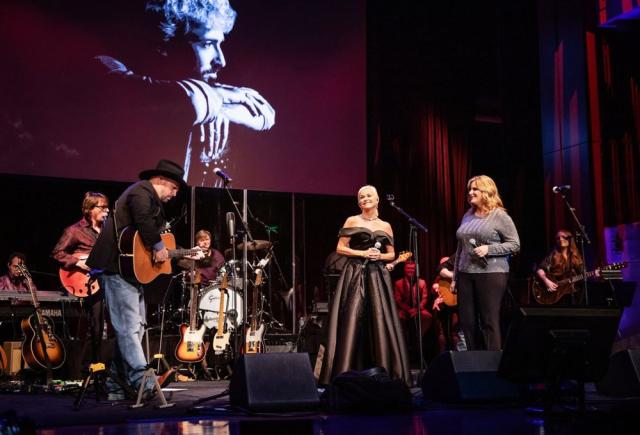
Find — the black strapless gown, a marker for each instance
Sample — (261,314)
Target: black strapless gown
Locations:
(364,330)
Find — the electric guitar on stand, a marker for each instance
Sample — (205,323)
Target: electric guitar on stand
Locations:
(253,340)
(190,348)
(221,340)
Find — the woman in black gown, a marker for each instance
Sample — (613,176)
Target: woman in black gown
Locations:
(364,330)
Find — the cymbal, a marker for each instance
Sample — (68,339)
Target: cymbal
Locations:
(256,245)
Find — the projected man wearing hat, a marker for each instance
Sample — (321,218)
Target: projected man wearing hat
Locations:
(139,207)
(192,33)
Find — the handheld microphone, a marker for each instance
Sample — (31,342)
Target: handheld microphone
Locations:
(560,189)
(377,245)
(473,243)
(231,224)
(220,173)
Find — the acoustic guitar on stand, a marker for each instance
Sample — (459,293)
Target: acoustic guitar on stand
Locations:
(41,347)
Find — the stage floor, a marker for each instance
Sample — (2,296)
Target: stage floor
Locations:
(49,414)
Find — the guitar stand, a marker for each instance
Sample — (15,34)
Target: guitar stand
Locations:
(98,373)
(150,373)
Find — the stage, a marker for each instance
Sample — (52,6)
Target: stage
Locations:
(54,414)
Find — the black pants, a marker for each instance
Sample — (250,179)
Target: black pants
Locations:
(479,301)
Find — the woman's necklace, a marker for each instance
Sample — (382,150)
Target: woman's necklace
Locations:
(368,218)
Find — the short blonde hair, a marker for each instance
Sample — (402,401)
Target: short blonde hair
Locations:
(368,186)
(490,197)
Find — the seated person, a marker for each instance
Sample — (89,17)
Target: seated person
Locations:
(14,281)
(405,295)
(207,267)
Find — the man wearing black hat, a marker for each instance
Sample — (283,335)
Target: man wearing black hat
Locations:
(140,206)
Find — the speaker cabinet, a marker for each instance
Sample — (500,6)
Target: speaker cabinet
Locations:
(273,382)
(623,375)
(466,376)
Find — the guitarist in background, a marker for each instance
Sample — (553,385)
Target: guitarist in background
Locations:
(562,262)
(446,316)
(13,281)
(139,207)
(72,250)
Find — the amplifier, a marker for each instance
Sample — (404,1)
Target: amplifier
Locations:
(13,349)
(280,343)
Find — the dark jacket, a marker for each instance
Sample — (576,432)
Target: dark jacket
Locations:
(138,206)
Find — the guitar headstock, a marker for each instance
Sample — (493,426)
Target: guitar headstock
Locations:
(403,256)
(258,280)
(615,266)
(23,271)
(225,278)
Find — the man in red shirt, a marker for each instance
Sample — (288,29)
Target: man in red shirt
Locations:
(406,297)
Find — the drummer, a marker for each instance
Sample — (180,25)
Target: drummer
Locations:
(206,268)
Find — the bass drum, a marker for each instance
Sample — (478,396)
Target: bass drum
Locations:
(210,305)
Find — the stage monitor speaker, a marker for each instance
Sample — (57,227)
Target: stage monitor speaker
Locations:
(273,382)
(466,376)
(550,344)
(623,375)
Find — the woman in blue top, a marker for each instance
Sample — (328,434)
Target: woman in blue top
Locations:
(364,330)
(487,238)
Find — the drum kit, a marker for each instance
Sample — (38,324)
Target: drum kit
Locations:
(209,293)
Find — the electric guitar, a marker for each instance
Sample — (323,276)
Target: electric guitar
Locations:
(41,347)
(191,347)
(402,257)
(449,298)
(221,341)
(78,282)
(136,260)
(565,286)
(253,340)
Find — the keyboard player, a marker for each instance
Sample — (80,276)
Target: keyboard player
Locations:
(13,281)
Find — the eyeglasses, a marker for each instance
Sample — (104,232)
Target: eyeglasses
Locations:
(563,237)
(102,207)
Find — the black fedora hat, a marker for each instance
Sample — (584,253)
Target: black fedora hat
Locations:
(168,169)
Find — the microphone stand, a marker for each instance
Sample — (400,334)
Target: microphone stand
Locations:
(247,235)
(582,237)
(414,226)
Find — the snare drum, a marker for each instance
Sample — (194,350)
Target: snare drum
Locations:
(210,305)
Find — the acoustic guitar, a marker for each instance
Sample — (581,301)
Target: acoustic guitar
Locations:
(136,260)
(41,347)
(449,298)
(222,339)
(191,347)
(78,282)
(565,286)
(253,339)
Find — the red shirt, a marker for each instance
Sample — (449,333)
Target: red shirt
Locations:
(404,298)
(76,241)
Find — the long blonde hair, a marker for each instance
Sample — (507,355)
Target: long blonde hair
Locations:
(490,197)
